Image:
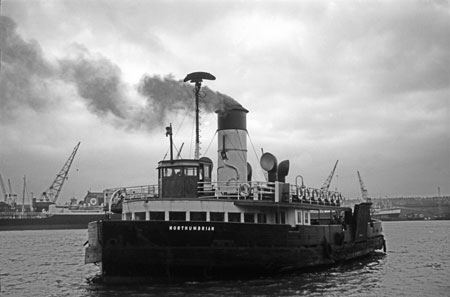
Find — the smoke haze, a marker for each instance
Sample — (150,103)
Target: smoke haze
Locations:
(28,78)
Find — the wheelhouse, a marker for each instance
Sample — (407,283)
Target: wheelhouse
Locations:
(184,178)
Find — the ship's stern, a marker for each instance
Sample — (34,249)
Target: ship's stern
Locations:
(93,251)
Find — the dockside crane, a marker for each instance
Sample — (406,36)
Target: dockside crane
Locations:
(5,194)
(326,184)
(52,193)
(364,192)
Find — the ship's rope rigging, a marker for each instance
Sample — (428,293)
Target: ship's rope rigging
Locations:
(258,157)
(177,130)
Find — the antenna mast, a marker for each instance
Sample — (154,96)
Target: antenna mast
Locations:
(197,78)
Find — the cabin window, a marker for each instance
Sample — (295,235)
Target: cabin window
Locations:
(207,170)
(280,217)
(157,216)
(249,217)
(262,218)
(139,216)
(177,215)
(128,216)
(190,171)
(217,216)
(307,218)
(234,217)
(197,216)
(315,217)
(299,217)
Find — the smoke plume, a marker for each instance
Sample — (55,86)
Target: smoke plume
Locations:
(97,80)
(165,95)
(28,80)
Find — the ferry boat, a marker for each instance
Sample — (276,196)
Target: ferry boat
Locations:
(188,225)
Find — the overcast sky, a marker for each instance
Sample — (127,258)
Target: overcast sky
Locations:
(362,82)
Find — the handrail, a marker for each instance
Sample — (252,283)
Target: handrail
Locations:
(255,190)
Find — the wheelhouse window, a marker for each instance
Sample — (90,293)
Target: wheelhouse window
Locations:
(139,216)
(157,216)
(197,216)
(217,216)
(234,217)
(177,215)
(128,216)
(190,171)
(176,172)
(167,172)
(249,217)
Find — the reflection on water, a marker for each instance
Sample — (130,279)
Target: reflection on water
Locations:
(417,263)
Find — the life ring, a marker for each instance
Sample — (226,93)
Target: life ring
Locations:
(315,194)
(244,190)
(303,193)
(93,201)
(332,197)
(322,196)
(308,195)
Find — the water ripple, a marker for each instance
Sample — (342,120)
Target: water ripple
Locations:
(51,263)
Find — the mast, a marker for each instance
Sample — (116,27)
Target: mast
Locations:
(197,78)
(169,133)
(23,194)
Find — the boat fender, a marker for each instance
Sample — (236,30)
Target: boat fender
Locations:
(384,246)
(244,190)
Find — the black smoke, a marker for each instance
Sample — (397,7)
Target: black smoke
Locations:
(28,80)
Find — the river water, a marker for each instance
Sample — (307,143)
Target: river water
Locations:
(417,263)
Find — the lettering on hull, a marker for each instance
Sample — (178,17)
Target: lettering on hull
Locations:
(191,228)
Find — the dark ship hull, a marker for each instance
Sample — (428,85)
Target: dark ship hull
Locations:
(144,250)
(53,222)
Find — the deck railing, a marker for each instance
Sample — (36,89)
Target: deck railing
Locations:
(255,190)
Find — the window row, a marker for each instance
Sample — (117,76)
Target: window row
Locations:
(200,216)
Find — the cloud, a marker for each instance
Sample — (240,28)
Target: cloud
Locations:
(25,76)
(363,82)
(29,80)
